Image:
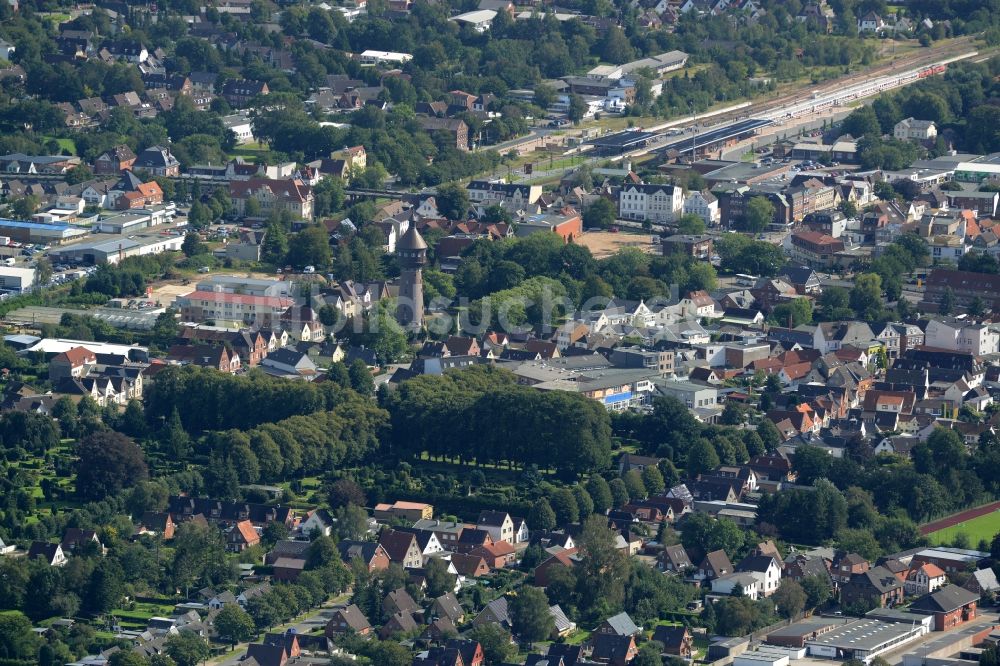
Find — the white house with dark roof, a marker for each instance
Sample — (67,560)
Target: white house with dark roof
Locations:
(651,202)
(911,129)
(159,161)
(499,524)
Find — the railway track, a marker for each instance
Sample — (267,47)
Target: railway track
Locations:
(763,108)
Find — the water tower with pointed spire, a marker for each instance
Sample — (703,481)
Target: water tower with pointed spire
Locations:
(411,251)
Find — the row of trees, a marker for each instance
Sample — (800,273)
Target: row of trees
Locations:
(481,414)
(210,400)
(294,447)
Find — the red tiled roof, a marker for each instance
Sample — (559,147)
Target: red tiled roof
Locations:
(76,356)
(246,530)
(797,370)
(931,570)
(243,299)
(150,189)
(288,189)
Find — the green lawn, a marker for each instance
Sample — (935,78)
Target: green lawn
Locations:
(67,145)
(983,527)
(140,613)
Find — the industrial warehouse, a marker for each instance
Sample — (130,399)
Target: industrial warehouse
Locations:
(863,639)
(112,248)
(40,232)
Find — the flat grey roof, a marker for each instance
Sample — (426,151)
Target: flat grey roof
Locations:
(799,629)
(896,615)
(683,386)
(864,635)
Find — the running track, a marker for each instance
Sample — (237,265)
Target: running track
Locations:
(957,518)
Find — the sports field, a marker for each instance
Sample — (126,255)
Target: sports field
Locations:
(982,527)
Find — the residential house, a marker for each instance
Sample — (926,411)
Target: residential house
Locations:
(448,533)
(659,204)
(455,128)
(402,548)
(240,92)
(924,579)
(114,161)
(484,194)
(495,612)
(275,196)
(768,566)
(617,625)
(158,161)
(802,565)
(613,650)
(498,555)
(399,601)
(749,584)
(455,652)
(346,621)
(371,554)
(427,541)
(983,582)
(871,22)
(910,129)
(205,356)
(470,565)
(242,536)
(714,565)
(159,523)
(408,511)
(950,606)
(563,559)
(288,548)
(499,524)
(448,606)
(76,538)
(52,553)
(675,559)
(288,362)
(847,565)
(695,246)
(73,363)
(676,641)
(703,204)
(878,584)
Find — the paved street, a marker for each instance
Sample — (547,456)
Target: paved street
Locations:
(305,624)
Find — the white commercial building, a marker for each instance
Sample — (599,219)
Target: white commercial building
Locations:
(658,64)
(704,205)
(17,280)
(863,640)
(60,345)
(480,19)
(372,57)
(762,657)
(915,130)
(651,202)
(113,248)
(240,125)
(956,335)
